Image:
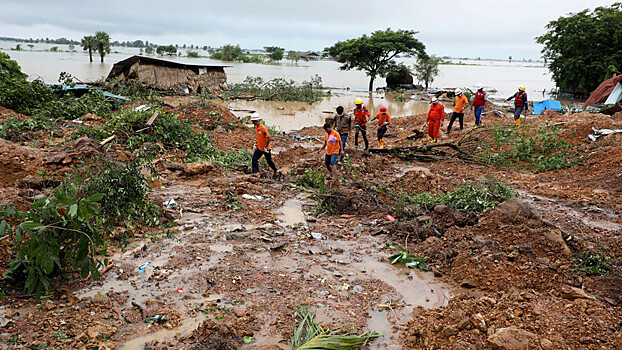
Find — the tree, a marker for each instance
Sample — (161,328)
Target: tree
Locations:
(274,52)
(510,59)
(103,44)
(580,48)
(31,46)
(192,54)
(293,56)
(374,54)
(10,67)
(88,44)
(228,53)
(169,50)
(72,47)
(149,50)
(427,69)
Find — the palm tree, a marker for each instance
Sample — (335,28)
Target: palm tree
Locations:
(102,40)
(89,43)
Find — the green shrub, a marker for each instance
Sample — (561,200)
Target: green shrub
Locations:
(277,89)
(13,128)
(593,263)
(312,178)
(124,189)
(56,237)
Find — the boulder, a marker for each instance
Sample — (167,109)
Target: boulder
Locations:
(572,293)
(512,338)
(515,209)
(198,168)
(80,148)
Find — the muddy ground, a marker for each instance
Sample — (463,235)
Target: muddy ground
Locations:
(244,251)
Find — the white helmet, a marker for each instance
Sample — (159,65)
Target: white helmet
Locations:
(434,100)
(458,91)
(255,116)
(480,86)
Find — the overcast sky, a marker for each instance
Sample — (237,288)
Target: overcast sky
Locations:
(476,28)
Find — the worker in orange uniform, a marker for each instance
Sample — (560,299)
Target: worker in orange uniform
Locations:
(360,122)
(436,118)
(384,119)
(332,143)
(262,147)
(520,103)
(460,105)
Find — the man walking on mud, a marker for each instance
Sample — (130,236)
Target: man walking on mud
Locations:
(332,143)
(343,125)
(384,119)
(436,118)
(520,103)
(360,123)
(461,102)
(479,103)
(262,146)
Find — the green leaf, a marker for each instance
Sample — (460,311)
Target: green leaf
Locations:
(31,224)
(47,263)
(73,210)
(96,197)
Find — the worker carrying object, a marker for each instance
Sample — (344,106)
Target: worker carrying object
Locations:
(384,119)
(262,147)
(460,104)
(360,122)
(343,125)
(479,103)
(436,118)
(332,143)
(520,103)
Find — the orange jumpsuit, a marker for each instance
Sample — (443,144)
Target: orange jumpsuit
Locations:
(436,116)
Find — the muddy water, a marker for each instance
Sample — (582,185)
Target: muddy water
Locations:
(501,75)
(292,214)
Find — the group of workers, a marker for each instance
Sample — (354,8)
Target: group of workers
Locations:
(338,127)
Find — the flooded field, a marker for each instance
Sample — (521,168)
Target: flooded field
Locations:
(499,75)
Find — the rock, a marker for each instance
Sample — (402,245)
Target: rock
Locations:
(80,148)
(239,311)
(478,322)
(526,249)
(555,236)
(98,297)
(440,208)
(516,209)
(512,338)
(572,293)
(464,323)
(174,166)
(449,331)
(96,331)
(546,344)
(469,283)
(198,168)
(488,301)
(610,301)
(235,236)
(588,340)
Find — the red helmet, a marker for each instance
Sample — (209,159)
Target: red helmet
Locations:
(383,109)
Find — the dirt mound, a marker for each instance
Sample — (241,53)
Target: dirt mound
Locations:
(80,148)
(209,118)
(346,201)
(17,161)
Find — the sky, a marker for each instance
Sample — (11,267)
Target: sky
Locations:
(477,28)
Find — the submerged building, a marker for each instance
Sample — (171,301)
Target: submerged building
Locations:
(178,77)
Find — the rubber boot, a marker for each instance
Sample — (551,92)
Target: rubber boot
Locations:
(518,122)
(434,140)
(381,143)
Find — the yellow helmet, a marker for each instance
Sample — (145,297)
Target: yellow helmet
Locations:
(521,88)
(358,101)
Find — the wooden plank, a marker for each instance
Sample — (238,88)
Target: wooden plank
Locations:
(108,140)
(153,118)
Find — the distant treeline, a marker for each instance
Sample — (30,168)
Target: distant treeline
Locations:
(61,41)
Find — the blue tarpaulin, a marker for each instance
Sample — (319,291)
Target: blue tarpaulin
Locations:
(85,88)
(538,107)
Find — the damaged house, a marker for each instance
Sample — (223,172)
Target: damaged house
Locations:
(182,78)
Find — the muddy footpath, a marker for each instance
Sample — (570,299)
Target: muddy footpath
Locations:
(237,253)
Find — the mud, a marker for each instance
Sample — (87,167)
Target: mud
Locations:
(220,274)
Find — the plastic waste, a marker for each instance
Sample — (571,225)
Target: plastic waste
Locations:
(251,197)
(143,267)
(170,203)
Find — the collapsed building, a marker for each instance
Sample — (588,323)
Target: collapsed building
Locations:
(178,77)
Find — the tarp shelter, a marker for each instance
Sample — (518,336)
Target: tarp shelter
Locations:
(603,91)
(538,107)
(168,75)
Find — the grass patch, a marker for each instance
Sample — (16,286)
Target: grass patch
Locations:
(277,89)
(313,179)
(535,150)
(594,263)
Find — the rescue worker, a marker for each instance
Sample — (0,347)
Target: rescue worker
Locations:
(384,119)
(479,103)
(332,143)
(520,103)
(460,104)
(262,146)
(436,118)
(360,123)
(343,125)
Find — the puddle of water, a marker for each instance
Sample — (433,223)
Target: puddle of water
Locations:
(163,335)
(292,214)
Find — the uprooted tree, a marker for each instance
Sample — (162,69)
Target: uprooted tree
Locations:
(375,54)
(581,47)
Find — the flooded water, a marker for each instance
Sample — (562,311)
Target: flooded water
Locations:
(500,75)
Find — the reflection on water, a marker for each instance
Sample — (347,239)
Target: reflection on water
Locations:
(502,76)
